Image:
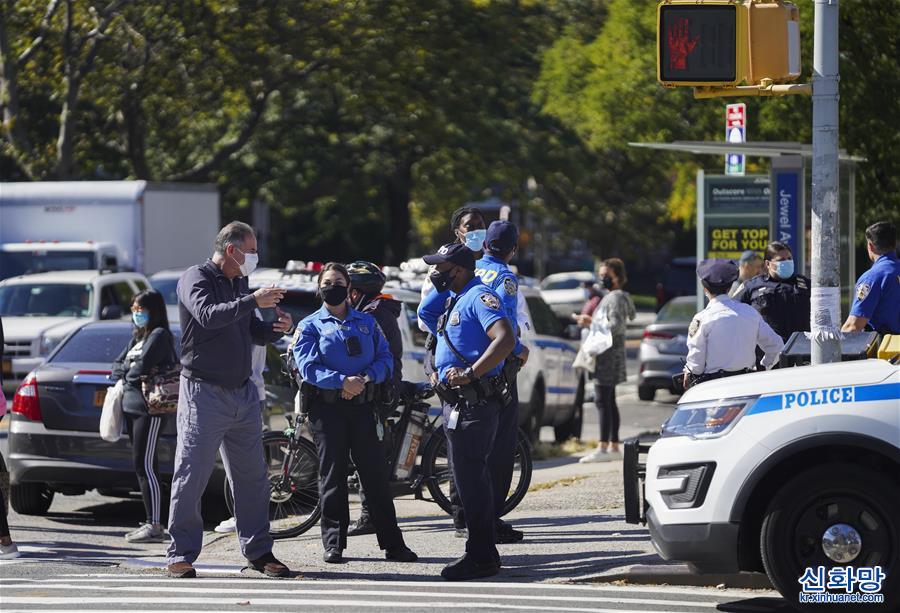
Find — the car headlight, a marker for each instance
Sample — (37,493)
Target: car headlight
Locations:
(708,419)
(48,344)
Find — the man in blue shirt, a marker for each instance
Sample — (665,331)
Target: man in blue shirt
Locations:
(474,337)
(501,244)
(877,302)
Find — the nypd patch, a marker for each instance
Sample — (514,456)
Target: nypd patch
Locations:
(454,318)
(862,290)
(694,328)
(364,328)
(490,301)
(510,286)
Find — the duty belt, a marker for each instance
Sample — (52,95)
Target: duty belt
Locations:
(477,392)
(697,379)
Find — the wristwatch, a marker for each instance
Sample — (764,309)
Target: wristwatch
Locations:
(470,374)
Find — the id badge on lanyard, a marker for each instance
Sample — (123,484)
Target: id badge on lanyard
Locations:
(453,420)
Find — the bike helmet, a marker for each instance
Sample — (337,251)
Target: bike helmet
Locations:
(366,277)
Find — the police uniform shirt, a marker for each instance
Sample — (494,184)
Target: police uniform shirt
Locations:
(475,310)
(321,349)
(724,336)
(783,303)
(496,274)
(878,294)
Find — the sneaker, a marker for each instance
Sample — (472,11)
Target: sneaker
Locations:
(226,526)
(464,568)
(8,552)
(363,526)
(597,455)
(147,534)
(136,530)
(507,534)
(613,454)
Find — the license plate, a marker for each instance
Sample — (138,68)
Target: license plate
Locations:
(99,397)
(7,367)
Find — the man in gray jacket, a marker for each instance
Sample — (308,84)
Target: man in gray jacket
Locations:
(218,407)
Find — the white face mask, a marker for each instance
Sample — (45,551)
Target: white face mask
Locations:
(250,262)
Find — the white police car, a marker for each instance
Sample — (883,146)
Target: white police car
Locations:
(795,472)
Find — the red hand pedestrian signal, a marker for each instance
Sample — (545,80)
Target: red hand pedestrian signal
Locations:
(680,44)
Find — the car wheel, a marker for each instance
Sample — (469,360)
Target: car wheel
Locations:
(30,498)
(854,505)
(572,428)
(645,392)
(532,425)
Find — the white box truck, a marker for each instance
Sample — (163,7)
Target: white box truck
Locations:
(83,225)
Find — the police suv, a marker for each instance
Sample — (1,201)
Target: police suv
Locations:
(795,472)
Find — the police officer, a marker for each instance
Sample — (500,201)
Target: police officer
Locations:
(877,302)
(366,283)
(749,265)
(341,355)
(474,338)
(723,337)
(501,244)
(779,294)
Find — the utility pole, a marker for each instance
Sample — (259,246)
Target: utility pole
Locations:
(825,313)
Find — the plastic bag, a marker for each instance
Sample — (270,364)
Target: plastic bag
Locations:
(599,339)
(112,421)
(583,361)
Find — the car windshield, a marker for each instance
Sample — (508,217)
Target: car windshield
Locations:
(46,300)
(677,311)
(562,284)
(99,344)
(167,287)
(15,263)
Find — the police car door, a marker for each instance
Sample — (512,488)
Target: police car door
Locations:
(548,348)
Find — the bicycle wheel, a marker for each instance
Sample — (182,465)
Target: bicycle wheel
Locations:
(294,480)
(436,468)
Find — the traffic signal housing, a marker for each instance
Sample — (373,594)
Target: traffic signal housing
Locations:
(727,43)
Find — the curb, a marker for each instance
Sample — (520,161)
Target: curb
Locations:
(680,574)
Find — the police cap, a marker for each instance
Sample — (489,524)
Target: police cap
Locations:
(501,236)
(717,272)
(455,253)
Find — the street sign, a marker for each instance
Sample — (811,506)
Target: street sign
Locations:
(787,207)
(735,132)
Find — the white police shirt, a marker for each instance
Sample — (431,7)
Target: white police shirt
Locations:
(724,336)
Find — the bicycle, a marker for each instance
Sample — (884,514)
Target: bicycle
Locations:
(293,466)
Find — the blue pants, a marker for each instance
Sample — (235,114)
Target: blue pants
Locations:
(210,418)
(343,429)
(469,446)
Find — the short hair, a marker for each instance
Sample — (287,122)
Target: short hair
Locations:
(716,290)
(773,248)
(333,266)
(234,233)
(617,266)
(151,301)
(883,236)
(461,212)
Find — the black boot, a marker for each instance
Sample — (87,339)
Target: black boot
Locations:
(363,525)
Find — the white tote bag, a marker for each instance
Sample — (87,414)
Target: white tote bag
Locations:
(112,421)
(599,339)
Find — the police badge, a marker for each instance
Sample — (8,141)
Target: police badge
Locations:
(862,290)
(490,301)
(510,286)
(454,318)
(364,328)
(694,328)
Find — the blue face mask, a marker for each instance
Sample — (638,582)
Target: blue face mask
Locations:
(140,318)
(475,239)
(784,269)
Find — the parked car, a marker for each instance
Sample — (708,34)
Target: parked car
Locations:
(664,346)
(679,279)
(40,310)
(565,292)
(54,441)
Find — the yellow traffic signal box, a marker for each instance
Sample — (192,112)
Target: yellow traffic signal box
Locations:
(727,43)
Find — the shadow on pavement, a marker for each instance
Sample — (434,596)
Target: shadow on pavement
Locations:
(756,605)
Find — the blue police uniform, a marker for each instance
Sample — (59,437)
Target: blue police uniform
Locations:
(783,303)
(470,315)
(878,295)
(341,428)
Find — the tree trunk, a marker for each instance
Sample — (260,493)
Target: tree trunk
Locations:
(15,132)
(397,191)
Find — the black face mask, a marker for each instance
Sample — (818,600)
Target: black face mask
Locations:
(606,282)
(441,280)
(334,294)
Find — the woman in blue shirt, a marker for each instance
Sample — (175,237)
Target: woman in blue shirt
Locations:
(342,354)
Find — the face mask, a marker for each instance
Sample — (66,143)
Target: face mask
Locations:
(250,262)
(140,318)
(606,282)
(475,239)
(441,281)
(784,269)
(333,294)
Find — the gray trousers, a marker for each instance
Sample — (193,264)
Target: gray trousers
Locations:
(212,417)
